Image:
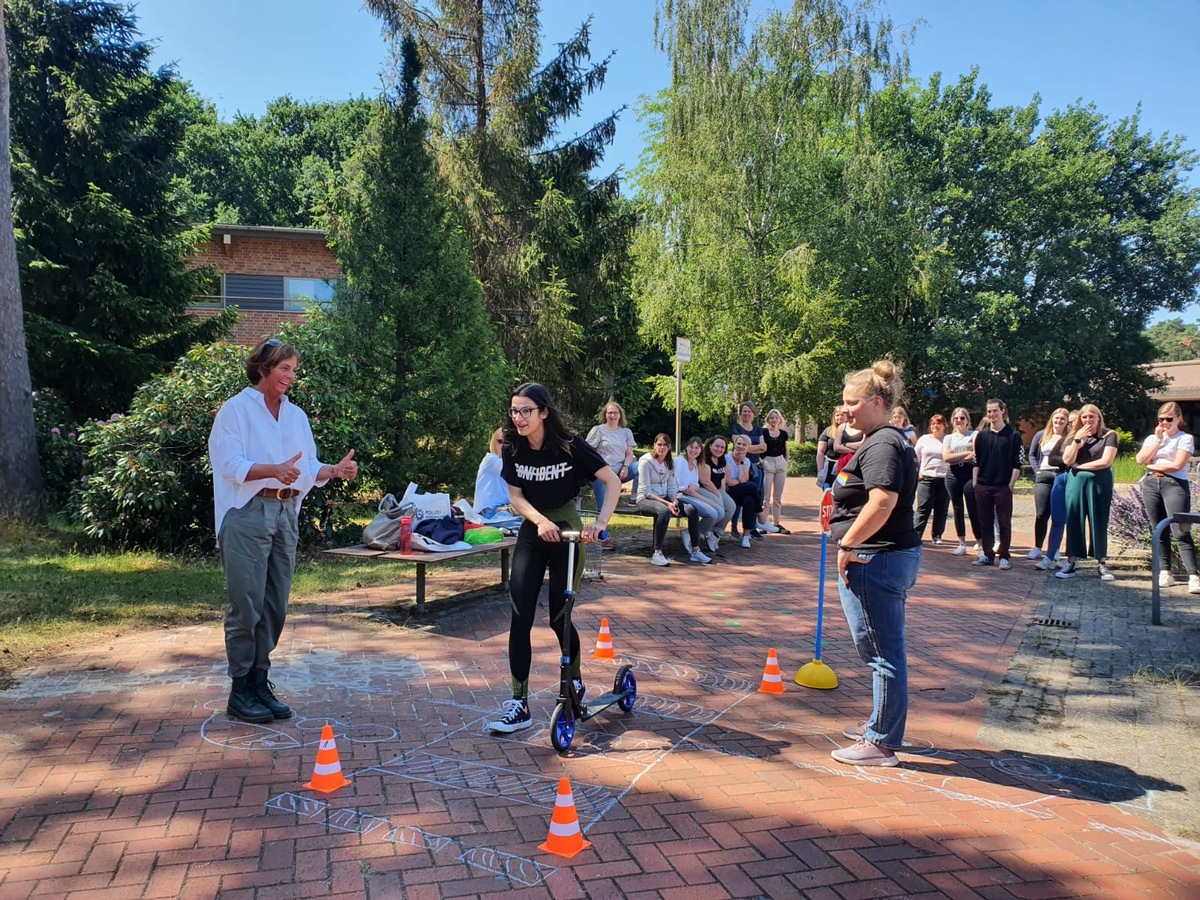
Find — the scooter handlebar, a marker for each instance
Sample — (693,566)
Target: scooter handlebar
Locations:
(578,535)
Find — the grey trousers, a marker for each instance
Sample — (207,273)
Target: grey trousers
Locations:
(258,551)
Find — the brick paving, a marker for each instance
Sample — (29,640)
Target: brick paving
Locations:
(125,778)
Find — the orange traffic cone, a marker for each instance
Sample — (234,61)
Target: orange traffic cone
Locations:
(604,647)
(565,838)
(772,682)
(327,774)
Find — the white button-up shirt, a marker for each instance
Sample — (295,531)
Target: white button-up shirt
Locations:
(245,433)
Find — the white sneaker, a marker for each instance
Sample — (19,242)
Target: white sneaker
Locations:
(960,550)
(658,559)
(1005,565)
(1106,575)
(982,555)
(768,528)
(713,542)
(745,541)
(1035,553)
(686,537)
(1046,563)
(975,546)
(1166,579)
(1194,584)
(698,557)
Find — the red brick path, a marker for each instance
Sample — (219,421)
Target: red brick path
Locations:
(125,779)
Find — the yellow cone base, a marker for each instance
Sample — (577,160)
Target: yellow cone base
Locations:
(816,675)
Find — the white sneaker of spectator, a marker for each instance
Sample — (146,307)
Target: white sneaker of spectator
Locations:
(698,557)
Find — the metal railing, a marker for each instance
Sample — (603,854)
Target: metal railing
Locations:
(1181,518)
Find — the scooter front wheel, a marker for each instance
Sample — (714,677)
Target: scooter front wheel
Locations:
(562,726)
(625,685)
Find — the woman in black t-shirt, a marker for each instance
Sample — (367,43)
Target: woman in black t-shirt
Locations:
(879,553)
(712,471)
(1089,454)
(545,466)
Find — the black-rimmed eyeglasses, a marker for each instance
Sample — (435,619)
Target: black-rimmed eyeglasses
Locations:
(523,413)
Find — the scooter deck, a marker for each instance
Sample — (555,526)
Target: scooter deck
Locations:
(601,703)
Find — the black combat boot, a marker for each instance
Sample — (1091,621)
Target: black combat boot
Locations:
(265,693)
(244,703)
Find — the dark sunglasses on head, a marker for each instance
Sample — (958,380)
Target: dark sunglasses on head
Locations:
(273,342)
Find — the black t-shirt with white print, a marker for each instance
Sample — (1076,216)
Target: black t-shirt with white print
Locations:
(887,460)
(550,478)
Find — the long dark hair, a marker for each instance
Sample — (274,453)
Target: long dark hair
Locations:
(707,455)
(556,431)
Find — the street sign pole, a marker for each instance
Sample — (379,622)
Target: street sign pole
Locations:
(683,353)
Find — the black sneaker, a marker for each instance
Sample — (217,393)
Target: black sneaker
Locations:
(514,718)
(982,561)
(1067,571)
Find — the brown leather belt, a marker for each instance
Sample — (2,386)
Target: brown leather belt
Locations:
(278,493)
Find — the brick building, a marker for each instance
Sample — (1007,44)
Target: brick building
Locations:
(270,274)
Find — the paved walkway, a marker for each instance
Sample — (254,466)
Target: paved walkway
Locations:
(124,778)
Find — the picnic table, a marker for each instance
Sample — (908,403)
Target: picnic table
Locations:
(422,559)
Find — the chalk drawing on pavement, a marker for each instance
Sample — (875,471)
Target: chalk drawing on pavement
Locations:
(518,869)
(223,731)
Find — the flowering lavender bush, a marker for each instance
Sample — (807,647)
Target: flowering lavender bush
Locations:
(1128,523)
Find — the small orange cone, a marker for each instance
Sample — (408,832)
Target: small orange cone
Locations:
(327,774)
(772,682)
(604,647)
(565,838)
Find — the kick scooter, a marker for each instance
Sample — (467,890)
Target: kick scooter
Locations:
(570,706)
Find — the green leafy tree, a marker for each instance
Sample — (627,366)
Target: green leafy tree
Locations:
(756,192)
(412,315)
(548,238)
(1174,341)
(273,170)
(101,251)
(1062,235)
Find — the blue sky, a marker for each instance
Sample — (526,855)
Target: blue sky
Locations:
(241,54)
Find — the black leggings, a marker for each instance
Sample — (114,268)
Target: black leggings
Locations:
(1043,487)
(531,557)
(962,493)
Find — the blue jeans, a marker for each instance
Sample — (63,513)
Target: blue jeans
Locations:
(873,602)
(599,490)
(1058,513)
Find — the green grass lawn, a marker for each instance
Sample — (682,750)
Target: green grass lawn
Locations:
(58,590)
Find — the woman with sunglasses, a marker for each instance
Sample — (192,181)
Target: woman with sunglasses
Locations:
(1166,491)
(1089,454)
(958,452)
(545,466)
(756,449)
(491,490)
(264,461)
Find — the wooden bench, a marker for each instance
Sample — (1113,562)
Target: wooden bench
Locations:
(422,559)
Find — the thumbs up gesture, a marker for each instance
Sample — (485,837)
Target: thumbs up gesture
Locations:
(287,471)
(347,469)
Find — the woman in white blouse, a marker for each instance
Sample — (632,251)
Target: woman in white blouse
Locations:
(958,452)
(691,494)
(932,496)
(1166,491)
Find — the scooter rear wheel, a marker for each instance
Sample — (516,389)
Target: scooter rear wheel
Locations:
(562,727)
(625,684)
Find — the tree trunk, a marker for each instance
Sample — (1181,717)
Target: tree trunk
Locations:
(20,479)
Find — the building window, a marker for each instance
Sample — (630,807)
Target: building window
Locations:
(268,292)
(305,292)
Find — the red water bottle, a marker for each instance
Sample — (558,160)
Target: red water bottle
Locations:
(406,534)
